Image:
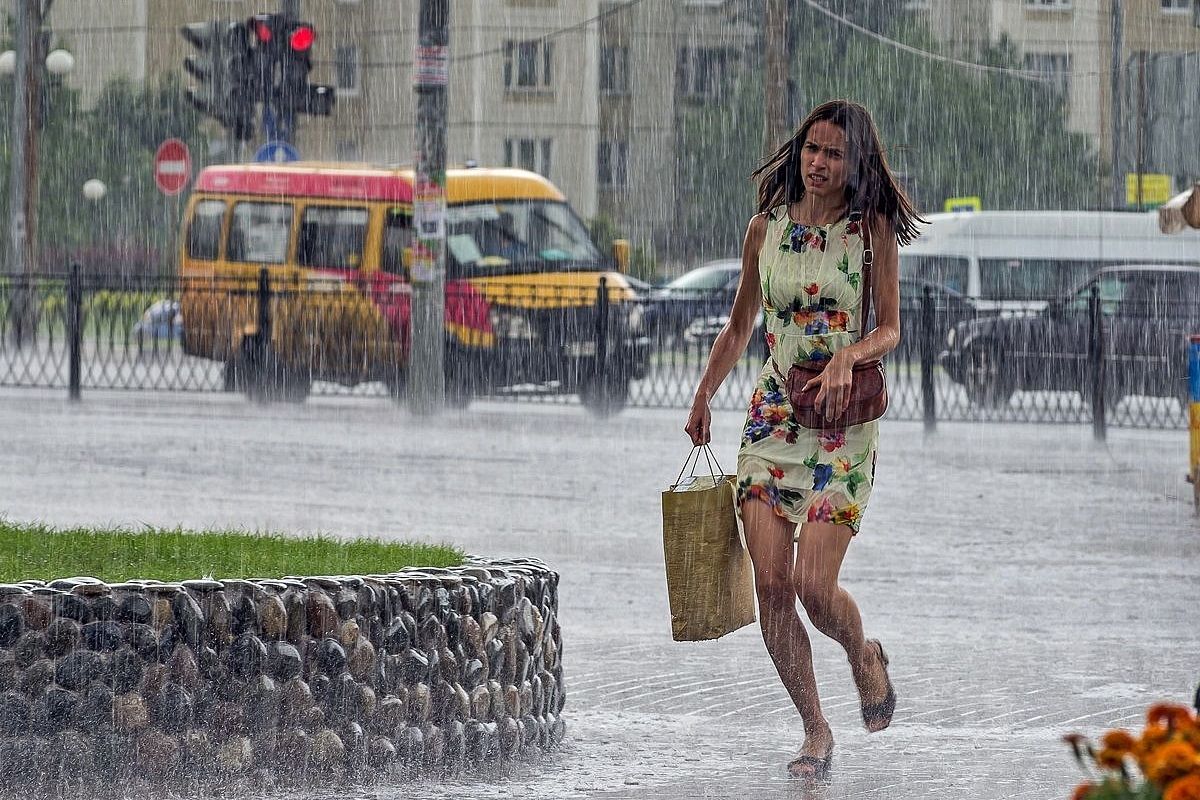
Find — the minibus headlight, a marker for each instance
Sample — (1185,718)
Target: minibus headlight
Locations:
(507,325)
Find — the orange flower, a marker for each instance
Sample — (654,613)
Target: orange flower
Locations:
(1171,714)
(1186,788)
(1153,735)
(1109,758)
(1083,790)
(1120,741)
(1172,760)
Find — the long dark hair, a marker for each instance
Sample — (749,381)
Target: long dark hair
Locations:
(871,188)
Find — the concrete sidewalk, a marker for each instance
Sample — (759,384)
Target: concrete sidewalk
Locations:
(1025,581)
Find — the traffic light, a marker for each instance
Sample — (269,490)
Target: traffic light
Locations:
(283,59)
(222,68)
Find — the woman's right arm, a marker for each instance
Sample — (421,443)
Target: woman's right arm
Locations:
(732,340)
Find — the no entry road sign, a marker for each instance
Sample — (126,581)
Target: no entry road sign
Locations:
(172,166)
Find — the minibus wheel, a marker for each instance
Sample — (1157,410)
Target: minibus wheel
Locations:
(266,382)
(604,395)
(988,383)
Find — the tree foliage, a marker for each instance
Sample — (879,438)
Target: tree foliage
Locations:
(949,130)
(133,228)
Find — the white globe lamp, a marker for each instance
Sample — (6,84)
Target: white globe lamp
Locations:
(94,189)
(60,62)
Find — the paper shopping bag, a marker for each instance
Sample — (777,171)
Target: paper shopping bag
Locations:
(710,582)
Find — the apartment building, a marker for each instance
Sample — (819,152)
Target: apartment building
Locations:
(586,92)
(1070,42)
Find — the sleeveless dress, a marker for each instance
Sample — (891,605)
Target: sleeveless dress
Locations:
(811,278)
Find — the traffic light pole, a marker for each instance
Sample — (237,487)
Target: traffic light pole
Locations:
(426,369)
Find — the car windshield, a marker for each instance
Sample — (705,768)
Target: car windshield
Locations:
(703,279)
(496,236)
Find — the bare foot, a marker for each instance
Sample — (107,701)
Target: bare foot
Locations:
(815,756)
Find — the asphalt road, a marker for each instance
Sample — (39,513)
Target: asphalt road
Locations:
(1026,581)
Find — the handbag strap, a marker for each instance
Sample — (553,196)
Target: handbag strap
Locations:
(708,457)
(868,261)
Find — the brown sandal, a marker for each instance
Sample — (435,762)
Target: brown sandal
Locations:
(877,716)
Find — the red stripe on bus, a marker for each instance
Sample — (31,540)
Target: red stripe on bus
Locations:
(282,182)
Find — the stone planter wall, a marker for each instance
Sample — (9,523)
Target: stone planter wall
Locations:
(425,671)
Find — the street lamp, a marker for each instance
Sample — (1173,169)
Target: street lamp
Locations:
(94,189)
(58,62)
(23,156)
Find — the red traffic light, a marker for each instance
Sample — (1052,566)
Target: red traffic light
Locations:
(262,30)
(302,37)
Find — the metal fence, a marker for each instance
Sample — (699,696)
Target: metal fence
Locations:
(1086,362)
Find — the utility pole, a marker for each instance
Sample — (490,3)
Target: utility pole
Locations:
(426,369)
(1141,127)
(1116,90)
(775,75)
(23,169)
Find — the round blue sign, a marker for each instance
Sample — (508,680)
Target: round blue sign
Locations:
(277,153)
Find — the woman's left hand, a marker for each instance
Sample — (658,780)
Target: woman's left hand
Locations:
(833,394)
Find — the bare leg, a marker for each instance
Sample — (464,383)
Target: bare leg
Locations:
(819,555)
(769,538)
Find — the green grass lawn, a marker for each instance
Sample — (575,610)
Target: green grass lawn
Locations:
(116,554)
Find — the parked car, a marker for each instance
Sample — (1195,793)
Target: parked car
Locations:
(949,309)
(698,294)
(161,320)
(1147,313)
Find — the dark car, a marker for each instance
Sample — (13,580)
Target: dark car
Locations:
(1147,314)
(689,300)
(949,309)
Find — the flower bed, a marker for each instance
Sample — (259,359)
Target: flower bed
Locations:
(1162,763)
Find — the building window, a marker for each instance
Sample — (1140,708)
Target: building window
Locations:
(345,61)
(614,70)
(1048,5)
(610,163)
(700,72)
(523,153)
(1053,68)
(1176,6)
(527,65)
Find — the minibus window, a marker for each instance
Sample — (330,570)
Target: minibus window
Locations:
(332,237)
(259,232)
(948,271)
(204,230)
(397,235)
(528,233)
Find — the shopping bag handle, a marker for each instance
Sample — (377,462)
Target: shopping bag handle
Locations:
(695,454)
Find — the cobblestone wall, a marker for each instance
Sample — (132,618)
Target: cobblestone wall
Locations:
(428,671)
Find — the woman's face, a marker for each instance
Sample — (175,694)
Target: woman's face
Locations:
(823,160)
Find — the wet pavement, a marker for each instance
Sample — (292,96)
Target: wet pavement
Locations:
(1026,581)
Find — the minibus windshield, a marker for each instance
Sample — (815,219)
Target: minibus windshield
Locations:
(500,235)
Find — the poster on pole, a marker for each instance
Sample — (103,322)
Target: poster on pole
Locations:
(432,66)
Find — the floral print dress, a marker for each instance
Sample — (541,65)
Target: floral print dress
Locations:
(812,286)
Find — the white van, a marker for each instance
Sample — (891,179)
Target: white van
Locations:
(1013,260)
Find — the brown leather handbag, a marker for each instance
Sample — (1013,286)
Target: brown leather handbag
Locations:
(868,391)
